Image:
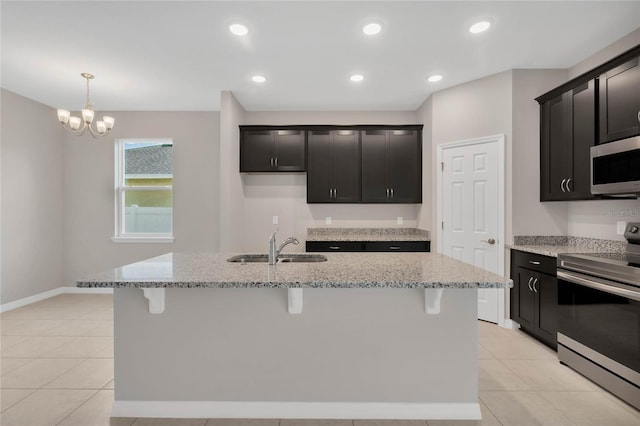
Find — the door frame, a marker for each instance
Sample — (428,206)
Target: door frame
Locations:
(499,139)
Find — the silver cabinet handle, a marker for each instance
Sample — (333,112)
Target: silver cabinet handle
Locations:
(562,185)
(534,262)
(391,192)
(638,115)
(566,185)
(335,193)
(530,280)
(387,192)
(490,241)
(276,161)
(394,247)
(334,247)
(330,193)
(534,285)
(271,161)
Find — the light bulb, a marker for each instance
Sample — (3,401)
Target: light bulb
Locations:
(74,123)
(479,27)
(63,116)
(238,29)
(372,28)
(101,127)
(108,122)
(87,115)
(356,77)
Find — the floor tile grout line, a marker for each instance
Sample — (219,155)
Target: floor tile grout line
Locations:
(79,405)
(33,390)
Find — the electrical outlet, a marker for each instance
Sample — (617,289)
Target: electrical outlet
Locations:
(275,220)
(327,220)
(400,220)
(622,225)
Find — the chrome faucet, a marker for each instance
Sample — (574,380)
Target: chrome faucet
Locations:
(273,252)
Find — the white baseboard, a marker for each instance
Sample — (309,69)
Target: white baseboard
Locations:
(297,410)
(511,324)
(51,293)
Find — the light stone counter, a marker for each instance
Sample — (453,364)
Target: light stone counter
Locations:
(341,270)
(381,336)
(553,245)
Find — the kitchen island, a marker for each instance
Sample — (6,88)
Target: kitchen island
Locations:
(362,335)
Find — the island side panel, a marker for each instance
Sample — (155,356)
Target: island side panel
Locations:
(347,345)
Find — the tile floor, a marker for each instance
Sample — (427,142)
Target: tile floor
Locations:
(57,369)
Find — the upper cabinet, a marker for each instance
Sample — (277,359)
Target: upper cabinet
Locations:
(599,106)
(620,102)
(333,174)
(272,150)
(391,166)
(567,133)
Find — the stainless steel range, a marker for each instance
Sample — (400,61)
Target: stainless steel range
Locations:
(599,316)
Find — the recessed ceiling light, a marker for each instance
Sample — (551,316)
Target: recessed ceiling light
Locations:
(357,77)
(259,78)
(434,78)
(372,28)
(479,27)
(238,29)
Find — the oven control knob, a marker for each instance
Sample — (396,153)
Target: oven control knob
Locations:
(633,229)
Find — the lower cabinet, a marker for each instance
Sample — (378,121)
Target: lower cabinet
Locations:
(534,297)
(370,246)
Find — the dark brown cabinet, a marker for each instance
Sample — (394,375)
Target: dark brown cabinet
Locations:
(333,166)
(620,102)
(391,166)
(370,246)
(269,150)
(534,296)
(567,132)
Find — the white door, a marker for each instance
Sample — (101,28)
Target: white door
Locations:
(471,211)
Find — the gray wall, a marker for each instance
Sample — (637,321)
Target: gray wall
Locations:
(32,198)
(89,190)
(471,110)
(597,219)
(249,201)
(530,216)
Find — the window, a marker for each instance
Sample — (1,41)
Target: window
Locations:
(144,190)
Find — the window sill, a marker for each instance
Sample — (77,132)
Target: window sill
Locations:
(145,239)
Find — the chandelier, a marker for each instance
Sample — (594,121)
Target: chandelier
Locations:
(78,126)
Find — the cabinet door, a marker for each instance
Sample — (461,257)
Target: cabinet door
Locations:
(319,189)
(405,166)
(289,150)
(555,149)
(546,289)
(375,169)
(620,102)
(256,151)
(583,133)
(525,297)
(345,166)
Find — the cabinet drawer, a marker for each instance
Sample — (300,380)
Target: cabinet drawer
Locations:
(534,262)
(327,246)
(400,246)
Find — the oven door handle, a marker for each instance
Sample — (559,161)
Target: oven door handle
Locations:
(606,286)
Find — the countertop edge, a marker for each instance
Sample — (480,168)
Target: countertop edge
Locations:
(155,284)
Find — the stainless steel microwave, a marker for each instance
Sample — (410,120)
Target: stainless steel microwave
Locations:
(615,167)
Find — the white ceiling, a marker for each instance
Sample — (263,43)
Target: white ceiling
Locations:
(159,55)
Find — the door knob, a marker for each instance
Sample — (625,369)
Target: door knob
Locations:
(490,241)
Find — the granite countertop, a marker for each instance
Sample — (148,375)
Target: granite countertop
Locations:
(554,245)
(341,270)
(367,234)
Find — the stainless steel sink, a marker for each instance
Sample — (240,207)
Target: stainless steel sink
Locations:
(302,258)
(263,258)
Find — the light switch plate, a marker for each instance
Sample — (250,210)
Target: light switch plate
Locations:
(400,220)
(275,220)
(622,225)
(327,220)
